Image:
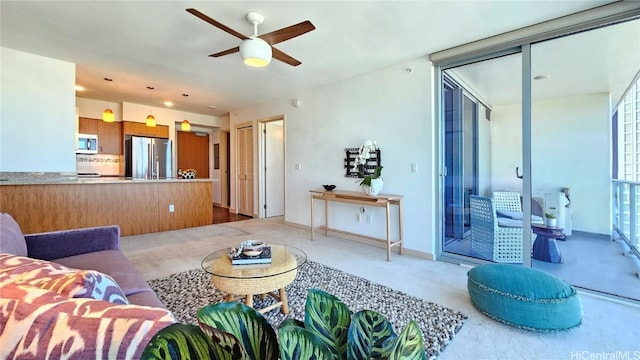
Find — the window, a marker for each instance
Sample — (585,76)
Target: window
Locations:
(628,136)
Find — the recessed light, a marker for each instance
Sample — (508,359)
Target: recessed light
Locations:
(80,88)
(541,77)
(212,107)
(168,104)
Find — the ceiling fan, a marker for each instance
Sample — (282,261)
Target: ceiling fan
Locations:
(257,50)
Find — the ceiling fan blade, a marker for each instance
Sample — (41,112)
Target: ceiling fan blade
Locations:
(217,24)
(287,33)
(279,55)
(226,52)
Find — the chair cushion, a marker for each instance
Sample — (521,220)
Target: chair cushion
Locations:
(60,279)
(509,222)
(11,238)
(524,297)
(517,215)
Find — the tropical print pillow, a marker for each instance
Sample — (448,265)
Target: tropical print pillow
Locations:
(65,281)
(41,324)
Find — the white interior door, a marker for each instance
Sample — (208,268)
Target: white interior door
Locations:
(274,168)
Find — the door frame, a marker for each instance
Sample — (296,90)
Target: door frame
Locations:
(224,168)
(262,196)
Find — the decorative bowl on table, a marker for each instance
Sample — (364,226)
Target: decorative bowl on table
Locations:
(329,187)
(252,247)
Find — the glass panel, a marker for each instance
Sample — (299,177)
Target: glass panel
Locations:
(482,149)
(572,137)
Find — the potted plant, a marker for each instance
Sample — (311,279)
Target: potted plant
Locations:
(372,183)
(551,219)
(329,331)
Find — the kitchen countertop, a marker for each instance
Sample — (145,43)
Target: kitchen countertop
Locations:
(57,178)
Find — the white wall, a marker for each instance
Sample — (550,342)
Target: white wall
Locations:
(571,142)
(37,119)
(392,106)
(90,108)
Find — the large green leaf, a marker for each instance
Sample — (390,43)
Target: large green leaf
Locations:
(290,322)
(252,330)
(180,341)
(328,318)
(227,345)
(409,345)
(298,343)
(370,336)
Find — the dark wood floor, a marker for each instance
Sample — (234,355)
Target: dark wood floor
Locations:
(222,215)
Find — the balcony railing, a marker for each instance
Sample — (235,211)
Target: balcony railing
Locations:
(626,208)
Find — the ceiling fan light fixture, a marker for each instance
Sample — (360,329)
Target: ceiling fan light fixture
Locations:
(255,52)
(107,115)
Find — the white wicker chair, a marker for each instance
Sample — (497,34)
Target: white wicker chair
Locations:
(490,241)
(507,200)
(511,201)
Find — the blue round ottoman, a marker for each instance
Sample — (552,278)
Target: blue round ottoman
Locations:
(524,297)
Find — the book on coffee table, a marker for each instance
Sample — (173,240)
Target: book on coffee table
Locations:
(263,258)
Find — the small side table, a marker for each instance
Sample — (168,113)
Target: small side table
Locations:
(545,247)
(243,281)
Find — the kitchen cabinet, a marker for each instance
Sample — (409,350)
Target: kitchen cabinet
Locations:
(88,126)
(110,138)
(109,134)
(141,129)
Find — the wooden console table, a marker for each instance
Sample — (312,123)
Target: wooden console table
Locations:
(352,197)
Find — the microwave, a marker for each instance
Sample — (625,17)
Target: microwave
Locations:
(87,144)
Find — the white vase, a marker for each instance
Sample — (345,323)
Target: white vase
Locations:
(552,222)
(374,189)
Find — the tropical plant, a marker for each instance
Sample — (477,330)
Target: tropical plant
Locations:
(364,153)
(367,178)
(549,216)
(329,331)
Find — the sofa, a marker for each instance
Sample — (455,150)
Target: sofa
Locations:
(73,294)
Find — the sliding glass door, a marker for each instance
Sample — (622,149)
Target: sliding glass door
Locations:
(527,139)
(574,98)
(482,149)
(460,122)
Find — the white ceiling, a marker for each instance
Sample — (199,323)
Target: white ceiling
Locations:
(159,44)
(604,60)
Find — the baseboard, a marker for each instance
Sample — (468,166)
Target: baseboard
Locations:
(363,239)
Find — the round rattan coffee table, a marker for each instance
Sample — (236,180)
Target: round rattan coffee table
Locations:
(245,281)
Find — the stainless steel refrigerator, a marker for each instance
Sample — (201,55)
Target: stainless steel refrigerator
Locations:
(147,158)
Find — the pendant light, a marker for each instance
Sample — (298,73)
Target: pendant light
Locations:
(107,114)
(185,125)
(151,121)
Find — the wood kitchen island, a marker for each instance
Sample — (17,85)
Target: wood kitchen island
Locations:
(137,206)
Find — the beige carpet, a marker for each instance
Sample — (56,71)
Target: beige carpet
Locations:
(608,327)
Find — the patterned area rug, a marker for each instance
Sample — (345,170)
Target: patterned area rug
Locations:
(184,293)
